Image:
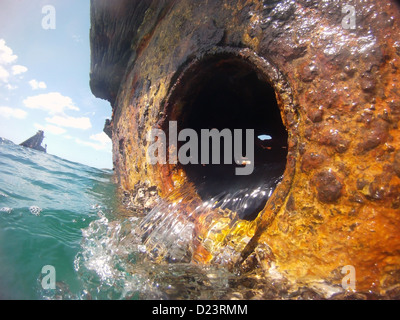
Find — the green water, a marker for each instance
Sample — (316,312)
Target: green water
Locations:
(65,215)
(45,203)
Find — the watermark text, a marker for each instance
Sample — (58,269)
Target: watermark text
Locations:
(188,153)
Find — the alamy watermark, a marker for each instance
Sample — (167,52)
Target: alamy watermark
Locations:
(349,281)
(189,152)
(49,278)
(49,20)
(349,22)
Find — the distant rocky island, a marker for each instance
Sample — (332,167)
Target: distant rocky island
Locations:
(35,142)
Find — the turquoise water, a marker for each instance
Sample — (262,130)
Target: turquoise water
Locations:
(66,215)
(45,203)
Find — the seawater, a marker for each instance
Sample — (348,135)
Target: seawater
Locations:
(66,215)
(45,203)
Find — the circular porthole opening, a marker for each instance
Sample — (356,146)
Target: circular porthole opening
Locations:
(228,94)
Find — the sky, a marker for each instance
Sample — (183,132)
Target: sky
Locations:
(44,80)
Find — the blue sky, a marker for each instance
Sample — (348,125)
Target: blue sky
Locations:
(44,80)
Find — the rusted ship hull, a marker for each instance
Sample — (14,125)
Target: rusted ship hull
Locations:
(337,90)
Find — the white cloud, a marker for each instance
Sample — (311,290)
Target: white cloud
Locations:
(35,85)
(101,137)
(50,128)
(70,122)
(96,146)
(8,58)
(7,112)
(6,53)
(4,74)
(93,145)
(53,103)
(101,142)
(17,69)
(11,87)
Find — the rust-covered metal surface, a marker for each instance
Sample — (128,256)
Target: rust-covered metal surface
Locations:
(339,97)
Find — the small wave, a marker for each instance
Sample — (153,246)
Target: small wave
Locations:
(6,210)
(4,141)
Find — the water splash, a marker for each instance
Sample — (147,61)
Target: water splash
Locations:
(157,256)
(111,266)
(119,260)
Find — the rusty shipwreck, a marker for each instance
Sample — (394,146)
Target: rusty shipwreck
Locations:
(327,91)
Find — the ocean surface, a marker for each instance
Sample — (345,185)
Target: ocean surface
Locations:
(45,203)
(66,216)
(65,235)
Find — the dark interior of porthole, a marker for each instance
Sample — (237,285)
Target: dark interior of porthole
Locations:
(230,93)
